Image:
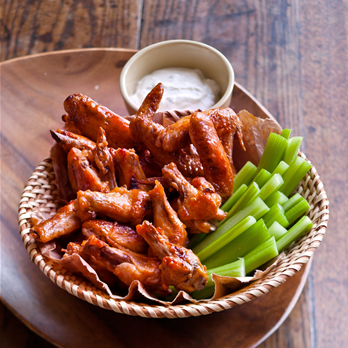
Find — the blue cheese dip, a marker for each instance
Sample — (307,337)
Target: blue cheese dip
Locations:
(183,89)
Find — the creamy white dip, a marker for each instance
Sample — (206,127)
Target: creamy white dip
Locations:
(183,89)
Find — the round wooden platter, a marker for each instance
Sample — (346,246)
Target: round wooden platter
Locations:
(32,93)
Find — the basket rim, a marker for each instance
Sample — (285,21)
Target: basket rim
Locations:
(35,193)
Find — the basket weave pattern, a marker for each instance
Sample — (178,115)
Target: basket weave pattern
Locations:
(40,192)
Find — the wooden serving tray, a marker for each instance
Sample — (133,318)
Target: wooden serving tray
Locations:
(33,92)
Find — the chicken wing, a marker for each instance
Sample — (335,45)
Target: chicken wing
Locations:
(216,165)
(68,140)
(88,116)
(115,234)
(64,222)
(103,273)
(104,160)
(82,175)
(129,171)
(198,200)
(165,217)
(180,267)
(149,164)
(146,132)
(120,205)
(227,125)
(125,264)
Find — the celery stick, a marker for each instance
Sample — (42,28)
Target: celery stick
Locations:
(281,168)
(234,198)
(245,175)
(277,230)
(297,211)
(227,237)
(262,177)
(273,153)
(276,197)
(290,185)
(300,228)
(286,133)
(296,198)
(288,175)
(233,269)
(260,255)
(256,209)
(243,244)
(272,185)
(276,213)
(249,195)
(205,293)
(291,150)
(196,239)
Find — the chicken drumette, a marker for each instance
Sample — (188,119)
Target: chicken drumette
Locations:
(216,164)
(198,201)
(165,217)
(180,267)
(126,265)
(115,234)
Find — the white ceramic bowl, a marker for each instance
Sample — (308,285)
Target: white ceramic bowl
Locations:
(178,53)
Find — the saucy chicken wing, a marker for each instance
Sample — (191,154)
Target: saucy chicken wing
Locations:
(82,175)
(198,200)
(115,234)
(165,217)
(64,222)
(125,264)
(68,140)
(120,205)
(227,125)
(216,165)
(88,116)
(104,160)
(146,132)
(180,267)
(129,171)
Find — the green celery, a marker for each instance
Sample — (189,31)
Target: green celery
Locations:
(205,293)
(292,149)
(243,244)
(223,240)
(281,168)
(277,230)
(256,209)
(297,211)
(286,133)
(272,185)
(245,175)
(295,180)
(276,213)
(276,197)
(299,229)
(296,198)
(288,175)
(233,269)
(262,177)
(195,240)
(273,152)
(234,198)
(249,195)
(260,255)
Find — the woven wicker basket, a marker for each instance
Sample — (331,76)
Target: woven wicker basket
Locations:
(40,192)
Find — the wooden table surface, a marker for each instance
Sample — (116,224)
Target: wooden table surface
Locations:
(292,55)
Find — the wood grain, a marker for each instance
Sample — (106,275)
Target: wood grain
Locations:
(324,67)
(291,55)
(30,27)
